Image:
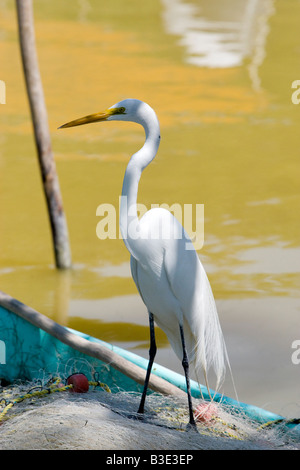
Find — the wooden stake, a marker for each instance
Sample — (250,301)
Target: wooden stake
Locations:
(42,135)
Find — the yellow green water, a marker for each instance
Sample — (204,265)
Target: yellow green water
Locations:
(230,141)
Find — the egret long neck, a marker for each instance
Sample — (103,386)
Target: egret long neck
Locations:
(129,221)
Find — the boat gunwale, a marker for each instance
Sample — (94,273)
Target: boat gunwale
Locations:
(91,348)
(162,379)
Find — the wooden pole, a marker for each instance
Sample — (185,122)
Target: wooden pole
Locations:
(42,134)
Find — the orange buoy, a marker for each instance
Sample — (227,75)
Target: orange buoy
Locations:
(206,412)
(80,383)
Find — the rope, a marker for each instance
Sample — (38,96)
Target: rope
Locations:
(102,385)
(224,430)
(287,422)
(97,383)
(54,386)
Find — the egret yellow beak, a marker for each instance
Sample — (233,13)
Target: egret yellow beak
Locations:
(102,116)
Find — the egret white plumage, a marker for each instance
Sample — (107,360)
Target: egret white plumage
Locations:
(169,277)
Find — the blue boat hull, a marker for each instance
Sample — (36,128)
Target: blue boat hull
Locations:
(28,352)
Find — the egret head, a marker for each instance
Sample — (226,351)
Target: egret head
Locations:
(127,110)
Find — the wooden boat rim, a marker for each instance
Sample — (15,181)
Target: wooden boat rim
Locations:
(93,349)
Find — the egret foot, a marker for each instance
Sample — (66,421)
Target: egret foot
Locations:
(136,416)
(192,427)
(140,416)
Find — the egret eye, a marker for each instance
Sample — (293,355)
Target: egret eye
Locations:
(122,110)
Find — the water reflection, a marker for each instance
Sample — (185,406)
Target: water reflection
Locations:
(108,270)
(279,259)
(221,35)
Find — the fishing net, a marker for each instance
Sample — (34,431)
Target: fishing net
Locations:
(44,415)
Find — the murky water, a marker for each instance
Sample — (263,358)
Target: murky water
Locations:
(219,75)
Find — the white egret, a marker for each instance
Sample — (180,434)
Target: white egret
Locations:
(169,277)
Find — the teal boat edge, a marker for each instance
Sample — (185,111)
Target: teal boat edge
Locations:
(28,352)
(31,354)
(253,412)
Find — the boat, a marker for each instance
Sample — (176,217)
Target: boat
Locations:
(34,347)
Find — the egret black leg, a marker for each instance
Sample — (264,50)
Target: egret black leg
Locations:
(152,353)
(185,365)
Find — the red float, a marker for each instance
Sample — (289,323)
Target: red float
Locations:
(206,412)
(80,383)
